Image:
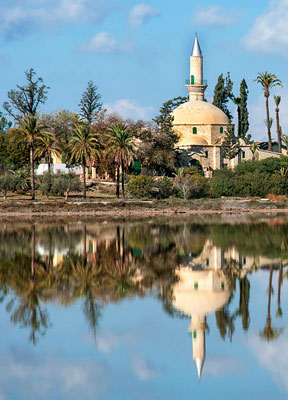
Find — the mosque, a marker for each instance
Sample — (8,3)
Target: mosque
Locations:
(201,126)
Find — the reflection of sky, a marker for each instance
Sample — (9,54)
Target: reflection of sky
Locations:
(142,353)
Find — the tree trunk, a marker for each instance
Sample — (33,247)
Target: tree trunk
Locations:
(84,177)
(278,130)
(122,180)
(268,124)
(32,172)
(270,292)
(118,182)
(33,252)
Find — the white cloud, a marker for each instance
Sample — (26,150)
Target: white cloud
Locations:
(213,16)
(24,15)
(220,367)
(257,115)
(145,370)
(102,43)
(273,357)
(128,108)
(270,31)
(141,13)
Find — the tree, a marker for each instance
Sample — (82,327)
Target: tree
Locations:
(45,146)
(268,80)
(223,93)
(90,105)
(156,151)
(277,100)
(242,109)
(269,124)
(26,99)
(28,129)
(121,146)
(230,144)
(4,124)
(83,145)
(255,154)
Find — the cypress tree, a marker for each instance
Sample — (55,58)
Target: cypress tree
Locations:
(223,93)
(244,114)
(230,145)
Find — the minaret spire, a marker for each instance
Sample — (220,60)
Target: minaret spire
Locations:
(196,52)
(195,85)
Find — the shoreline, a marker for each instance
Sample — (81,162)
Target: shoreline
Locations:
(59,209)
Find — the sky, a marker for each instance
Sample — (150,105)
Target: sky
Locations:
(137,53)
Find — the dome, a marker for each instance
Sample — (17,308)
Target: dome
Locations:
(192,140)
(196,112)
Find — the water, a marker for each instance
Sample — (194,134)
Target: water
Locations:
(144,310)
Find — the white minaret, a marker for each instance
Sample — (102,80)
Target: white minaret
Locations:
(196,86)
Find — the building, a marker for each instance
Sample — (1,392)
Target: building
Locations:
(201,126)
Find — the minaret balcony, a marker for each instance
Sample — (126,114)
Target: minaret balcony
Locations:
(204,83)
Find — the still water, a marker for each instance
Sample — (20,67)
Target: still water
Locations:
(144,310)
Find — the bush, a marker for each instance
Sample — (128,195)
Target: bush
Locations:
(163,188)
(189,187)
(9,182)
(60,184)
(140,186)
(223,183)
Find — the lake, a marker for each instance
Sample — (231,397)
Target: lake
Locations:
(151,309)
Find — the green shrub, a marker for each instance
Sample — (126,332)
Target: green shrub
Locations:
(189,187)
(223,183)
(10,181)
(163,188)
(140,186)
(60,184)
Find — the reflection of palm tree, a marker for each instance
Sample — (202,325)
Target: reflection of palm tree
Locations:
(270,333)
(85,279)
(29,313)
(280,279)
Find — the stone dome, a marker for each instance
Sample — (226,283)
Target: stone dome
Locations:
(196,112)
(192,140)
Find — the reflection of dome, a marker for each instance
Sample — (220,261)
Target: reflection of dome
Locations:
(192,141)
(196,112)
(200,292)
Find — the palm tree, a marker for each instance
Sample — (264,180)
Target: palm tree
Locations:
(28,129)
(254,148)
(122,149)
(83,146)
(280,280)
(268,80)
(277,100)
(45,146)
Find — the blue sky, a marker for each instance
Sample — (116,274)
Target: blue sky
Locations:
(138,52)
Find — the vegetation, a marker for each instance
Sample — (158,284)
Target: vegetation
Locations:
(223,93)
(242,110)
(230,144)
(268,81)
(277,100)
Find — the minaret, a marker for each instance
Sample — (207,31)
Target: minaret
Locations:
(196,86)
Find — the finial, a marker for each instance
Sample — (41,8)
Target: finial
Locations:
(196,34)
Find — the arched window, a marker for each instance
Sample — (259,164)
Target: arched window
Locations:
(194,334)
(221,129)
(194,130)
(192,79)
(243,154)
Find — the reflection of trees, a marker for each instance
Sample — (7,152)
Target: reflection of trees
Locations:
(269,332)
(25,307)
(280,280)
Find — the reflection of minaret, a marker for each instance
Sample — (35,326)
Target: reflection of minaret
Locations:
(199,293)
(197,329)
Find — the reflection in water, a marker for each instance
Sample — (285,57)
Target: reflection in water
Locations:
(193,269)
